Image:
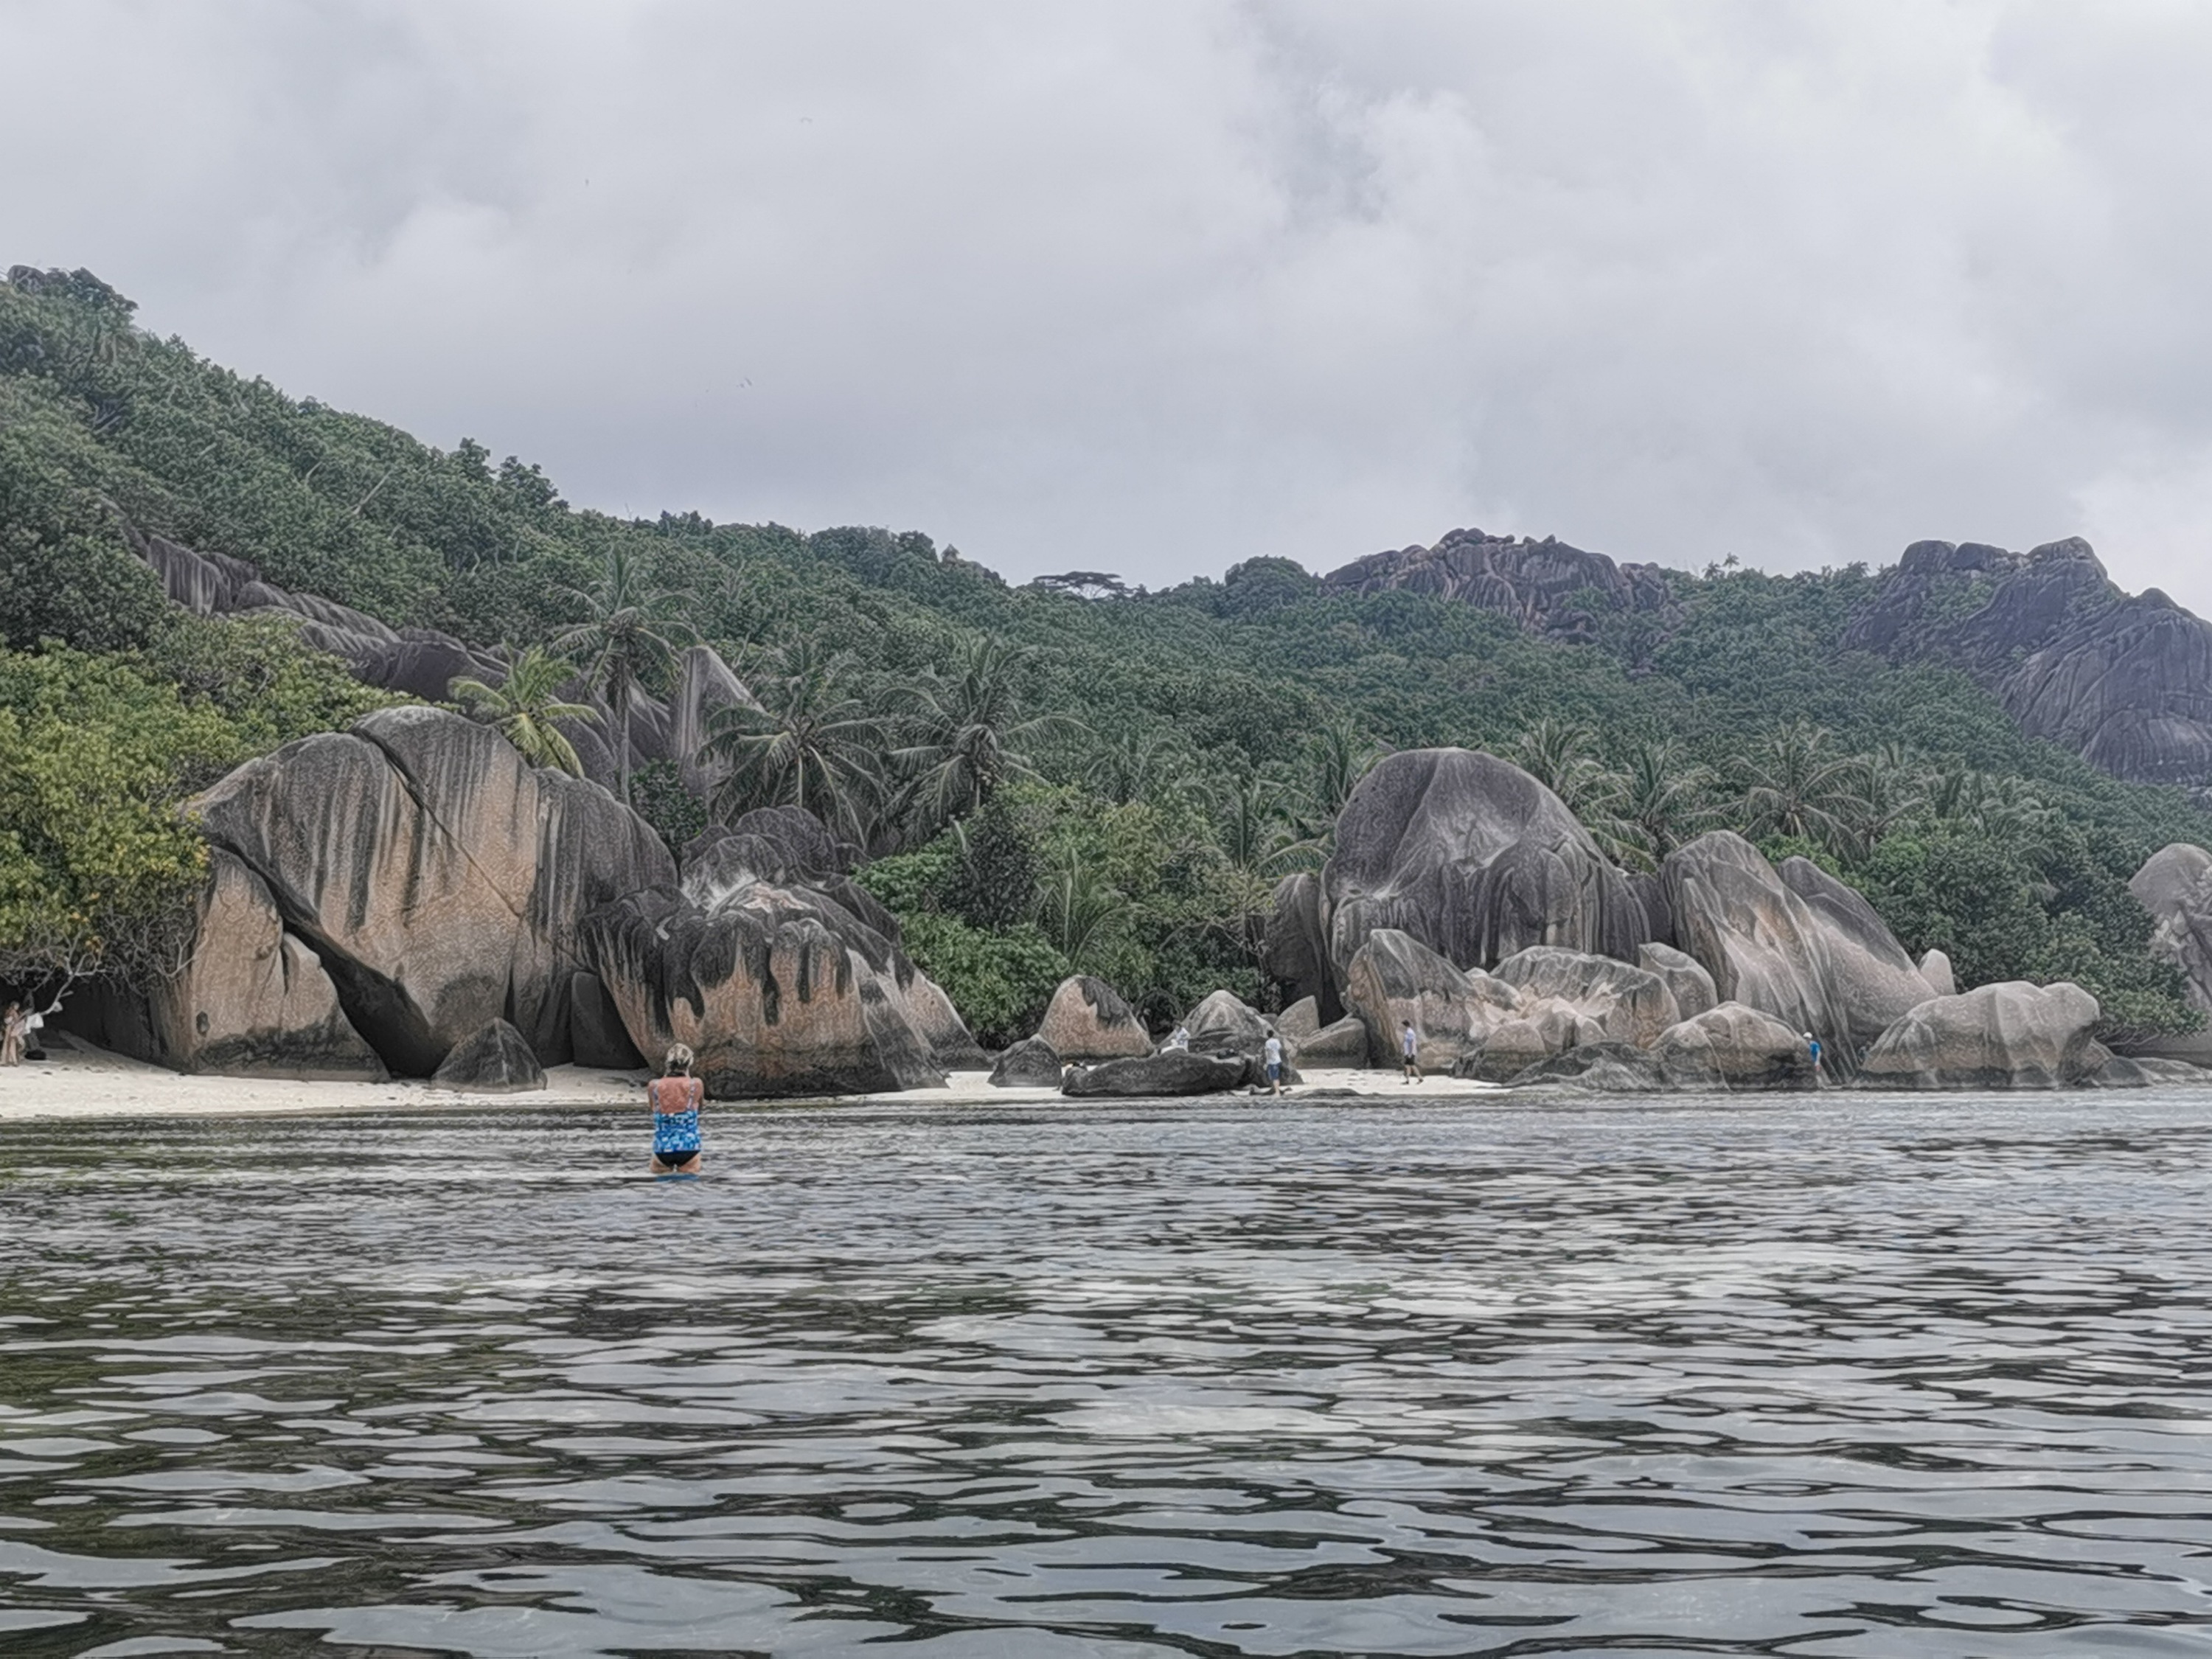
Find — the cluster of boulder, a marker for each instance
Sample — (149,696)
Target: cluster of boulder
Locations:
(412,898)
(1464,898)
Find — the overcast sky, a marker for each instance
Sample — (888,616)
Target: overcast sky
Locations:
(1156,287)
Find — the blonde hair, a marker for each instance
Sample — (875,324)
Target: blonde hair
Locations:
(679,1060)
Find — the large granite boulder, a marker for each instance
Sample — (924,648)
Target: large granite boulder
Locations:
(1542,1028)
(2007,1036)
(1733,1046)
(1172,1071)
(1819,961)
(1935,969)
(1395,978)
(1618,1068)
(1029,1064)
(780,973)
(442,882)
(1686,978)
(250,1000)
(1296,956)
(2175,886)
(597,1036)
(1340,1046)
(1617,1001)
(1474,858)
(1088,1020)
(496,1061)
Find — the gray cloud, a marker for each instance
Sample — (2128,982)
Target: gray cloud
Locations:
(1155,287)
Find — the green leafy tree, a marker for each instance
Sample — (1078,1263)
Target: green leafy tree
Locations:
(810,744)
(969,736)
(527,708)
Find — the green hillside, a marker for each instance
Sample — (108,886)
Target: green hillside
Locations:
(1116,789)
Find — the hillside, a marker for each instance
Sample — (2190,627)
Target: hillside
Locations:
(1069,773)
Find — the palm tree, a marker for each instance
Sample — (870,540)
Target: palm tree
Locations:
(1078,910)
(1560,755)
(1338,757)
(1258,845)
(808,744)
(968,736)
(1794,784)
(1892,785)
(525,707)
(1664,801)
(1127,765)
(628,636)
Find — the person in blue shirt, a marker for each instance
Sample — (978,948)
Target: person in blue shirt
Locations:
(1813,1047)
(676,1096)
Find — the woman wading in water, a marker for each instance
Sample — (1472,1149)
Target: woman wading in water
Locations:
(676,1095)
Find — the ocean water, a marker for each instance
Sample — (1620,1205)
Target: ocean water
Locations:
(1852,1376)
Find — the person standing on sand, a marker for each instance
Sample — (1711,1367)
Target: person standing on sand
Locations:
(1813,1047)
(11,1035)
(1409,1045)
(1271,1050)
(676,1096)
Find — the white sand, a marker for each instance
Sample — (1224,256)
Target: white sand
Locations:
(79,1081)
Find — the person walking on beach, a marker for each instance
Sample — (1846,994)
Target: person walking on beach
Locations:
(676,1096)
(1271,1050)
(1409,1045)
(11,1035)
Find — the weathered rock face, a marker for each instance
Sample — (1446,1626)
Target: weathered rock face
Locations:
(1029,1064)
(1087,1020)
(495,1060)
(1868,969)
(596,1034)
(1596,1068)
(1547,586)
(1340,1046)
(1297,952)
(1616,1001)
(1686,978)
(442,882)
(2175,885)
(2007,1036)
(1544,1027)
(1935,969)
(1819,965)
(773,966)
(1475,860)
(252,1000)
(1733,1046)
(2124,682)
(1173,1072)
(1395,978)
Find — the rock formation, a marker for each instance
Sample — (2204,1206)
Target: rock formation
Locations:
(1029,1064)
(1545,585)
(781,973)
(1472,858)
(1733,1046)
(1935,969)
(1616,1001)
(2175,885)
(441,881)
(2125,683)
(1823,964)
(496,1061)
(251,1000)
(1172,1071)
(596,1034)
(1684,976)
(2007,1035)
(1297,952)
(1393,978)
(1087,1020)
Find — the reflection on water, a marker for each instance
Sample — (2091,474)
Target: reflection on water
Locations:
(1862,1376)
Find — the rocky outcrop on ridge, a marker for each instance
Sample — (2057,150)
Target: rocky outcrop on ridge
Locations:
(440,881)
(782,975)
(1545,585)
(1474,858)
(2007,1036)
(2125,682)
(1088,1020)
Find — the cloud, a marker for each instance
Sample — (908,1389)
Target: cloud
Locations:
(1153,287)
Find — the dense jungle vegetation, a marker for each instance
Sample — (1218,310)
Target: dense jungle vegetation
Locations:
(1065,774)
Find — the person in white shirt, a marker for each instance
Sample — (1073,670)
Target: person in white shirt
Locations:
(1273,1050)
(1409,1045)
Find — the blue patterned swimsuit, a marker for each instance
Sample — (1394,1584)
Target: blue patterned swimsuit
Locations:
(675,1134)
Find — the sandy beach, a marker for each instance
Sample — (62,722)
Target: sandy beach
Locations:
(78,1081)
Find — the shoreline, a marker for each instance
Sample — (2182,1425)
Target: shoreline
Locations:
(78,1082)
